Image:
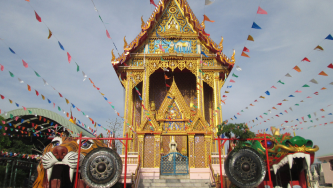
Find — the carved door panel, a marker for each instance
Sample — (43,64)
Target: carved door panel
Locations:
(199,151)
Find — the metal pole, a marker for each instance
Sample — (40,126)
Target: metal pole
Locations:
(267,161)
(15,174)
(11,174)
(30,172)
(78,161)
(125,174)
(221,178)
(4,181)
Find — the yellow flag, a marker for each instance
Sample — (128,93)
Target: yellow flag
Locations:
(43,97)
(67,101)
(10,101)
(250,38)
(102,94)
(319,48)
(50,34)
(262,97)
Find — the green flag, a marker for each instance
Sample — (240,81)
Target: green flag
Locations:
(77,67)
(29,111)
(218,108)
(311,121)
(309,116)
(100,18)
(11,74)
(83,113)
(234,75)
(280,82)
(59,108)
(296,104)
(11,116)
(37,74)
(306,85)
(265,113)
(112,106)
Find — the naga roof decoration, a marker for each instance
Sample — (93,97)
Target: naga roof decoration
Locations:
(149,26)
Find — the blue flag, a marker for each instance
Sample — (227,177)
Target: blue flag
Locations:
(291,96)
(281,113)
(229,86)
(10,124)
(99,125)
(255,26)
(79,121)
(105,98)
(61,46)
(297,119)
(267,92)
(51,123)
(169,97)
(330,114)
(12,50)
(267,129)
(329,37)
(256,118)
(49,100)
(17,105)
(203,53)
(235,117)
(22,120)
(73,105)
(140,98)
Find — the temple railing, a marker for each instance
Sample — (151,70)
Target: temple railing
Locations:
(214,178)
(131,159)
(136,176)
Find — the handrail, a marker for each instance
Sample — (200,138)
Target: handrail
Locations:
(214,179)
(136,177)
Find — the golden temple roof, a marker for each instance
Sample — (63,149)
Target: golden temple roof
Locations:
(153,20)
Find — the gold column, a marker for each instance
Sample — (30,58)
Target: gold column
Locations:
(216,99)
(191,150)
(141,147)
(157,154)
(208,139)
(145,90)
(128,109)
(200,93)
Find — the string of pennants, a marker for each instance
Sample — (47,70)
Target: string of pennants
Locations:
(244,52)
(289,74)
(30,112)
(70,59)
(19,155)
(299,119)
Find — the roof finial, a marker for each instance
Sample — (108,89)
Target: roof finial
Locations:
(221,44)
(113,56)
(233,56)
(125,43)
(203,24)
(142,22)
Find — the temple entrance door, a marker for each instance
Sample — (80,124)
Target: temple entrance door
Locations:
(181,144)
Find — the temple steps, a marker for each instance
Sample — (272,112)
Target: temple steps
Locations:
(181,183)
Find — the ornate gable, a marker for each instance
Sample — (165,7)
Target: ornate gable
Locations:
(173,105)
(149,124)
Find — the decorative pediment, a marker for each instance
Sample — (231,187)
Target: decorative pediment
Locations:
(149,124)
(173,105)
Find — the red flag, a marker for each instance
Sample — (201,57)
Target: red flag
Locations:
(2,67)
(25,64)
(207,19)
(37,92)
(167,85)
(152,2)
(2,97)
(107,34)
(330,66)
(306,59)
(37,17)
(69,57)
(224,96)
(261,11)
(273,87)
(279,104)
(232,81)
(246,49)
(60,95)
(245,55)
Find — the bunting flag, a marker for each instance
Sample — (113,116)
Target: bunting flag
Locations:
(322,73)
(280,82)
(314,81)
(231,80)
(291,96)
(45,83)
(267,93)
(69,57)
(38,17)
(37,74)
(107,34)
(255,26)
(234,75)
(43,97)
(329,37)
(77,67)
(319,48)
(61,47)
(306,59)
(238,68)
(152,2)
(2,67)
(166,77)
(208,2)
(274,87)
(11,74)
(298,91)
(296,68)
(245,55)
(25,64)
(279,104)
(323,88)
(305,85)
(262,97)
(29,88)
(203,53)
(261,11)
(250,38)
(207,19)
(246,49)
(11,50)
(167,85)
(21,81)
(288,75)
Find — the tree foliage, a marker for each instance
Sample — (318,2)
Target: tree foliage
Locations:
(4,140)
(235,130)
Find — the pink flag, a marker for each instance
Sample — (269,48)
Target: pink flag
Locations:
(24,108)
(56,126)
(273,87)
(16,118)
(110,102)
(308,97)
(232,81)
(69,57)
(298,91)
(286,111)
(3,122)
(261,11)
(37,17)
(78,109)
(25,64)
(107,34)
(303,118)
(1,67)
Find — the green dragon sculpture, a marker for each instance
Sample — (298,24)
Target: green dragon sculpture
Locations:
(289,159)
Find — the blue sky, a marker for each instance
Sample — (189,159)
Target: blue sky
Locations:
(290,31)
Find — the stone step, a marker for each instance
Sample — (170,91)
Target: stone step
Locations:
(174,184)
(145,183)
(174,180)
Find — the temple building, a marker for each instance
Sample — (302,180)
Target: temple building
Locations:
(172,73)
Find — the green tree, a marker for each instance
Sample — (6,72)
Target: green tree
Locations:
(4,140)
(236,130)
